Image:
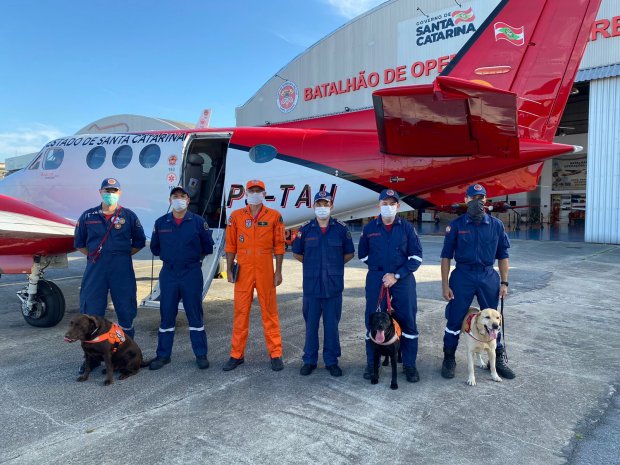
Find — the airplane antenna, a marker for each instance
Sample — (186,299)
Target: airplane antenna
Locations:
(277,75)
(418,8)
(455,1)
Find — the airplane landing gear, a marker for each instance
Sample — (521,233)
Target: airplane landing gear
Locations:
(43,304)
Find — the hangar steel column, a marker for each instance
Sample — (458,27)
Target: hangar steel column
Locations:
(603,178)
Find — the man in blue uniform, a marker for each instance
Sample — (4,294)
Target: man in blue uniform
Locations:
(181,239)
(391,248)
(475,240)
(323,245)
(109,235)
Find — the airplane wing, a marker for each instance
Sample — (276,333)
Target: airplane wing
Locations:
(27,231)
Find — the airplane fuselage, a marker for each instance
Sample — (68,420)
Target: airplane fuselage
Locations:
(294,164)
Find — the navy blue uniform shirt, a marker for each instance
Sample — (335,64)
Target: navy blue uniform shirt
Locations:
(185,243)
(323,264)
(125,234)
(471,243)
(398,251)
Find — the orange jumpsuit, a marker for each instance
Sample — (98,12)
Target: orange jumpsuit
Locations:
(255,241)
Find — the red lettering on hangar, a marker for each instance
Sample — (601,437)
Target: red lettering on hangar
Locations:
(606,28)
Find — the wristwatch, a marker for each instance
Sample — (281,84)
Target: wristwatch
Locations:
(505,283)
(396,275)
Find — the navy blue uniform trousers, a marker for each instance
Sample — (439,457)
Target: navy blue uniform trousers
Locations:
(178,283)
(113,272)
(331,309)
(466,283)
(404,306)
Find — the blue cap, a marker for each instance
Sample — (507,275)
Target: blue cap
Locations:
(323,195)
(476,189)
(110,183)
(385,193)
(176,189)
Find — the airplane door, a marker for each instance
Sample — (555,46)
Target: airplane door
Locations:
(207,153)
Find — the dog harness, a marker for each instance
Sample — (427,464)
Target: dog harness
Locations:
(469,325)
(385,292)
(116,336)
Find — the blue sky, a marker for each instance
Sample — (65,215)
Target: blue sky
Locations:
(66,63)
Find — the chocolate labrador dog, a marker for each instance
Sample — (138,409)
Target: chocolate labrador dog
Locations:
(105,341)
(385,337)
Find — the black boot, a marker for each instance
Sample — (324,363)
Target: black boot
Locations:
(412,374)
(449,362)
(501,364)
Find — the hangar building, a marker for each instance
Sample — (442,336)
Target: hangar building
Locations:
(391,46)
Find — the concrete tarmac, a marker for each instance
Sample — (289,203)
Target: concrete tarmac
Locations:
(561,323)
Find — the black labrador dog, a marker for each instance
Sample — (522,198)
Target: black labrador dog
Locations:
(104,341)
(386,341)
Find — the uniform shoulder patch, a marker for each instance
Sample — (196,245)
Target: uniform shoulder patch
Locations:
(206,226)
(341,222)
(138,224)
(305,224)
(230,220)
(448,229)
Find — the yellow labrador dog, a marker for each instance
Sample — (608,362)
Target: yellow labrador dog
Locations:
(481,327)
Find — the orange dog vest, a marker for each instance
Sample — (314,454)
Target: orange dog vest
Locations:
(116,336)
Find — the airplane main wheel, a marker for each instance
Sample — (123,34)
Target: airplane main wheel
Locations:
(49,306)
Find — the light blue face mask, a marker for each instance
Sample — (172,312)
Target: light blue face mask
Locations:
(109,198)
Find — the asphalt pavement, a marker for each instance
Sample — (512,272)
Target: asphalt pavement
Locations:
(562,340)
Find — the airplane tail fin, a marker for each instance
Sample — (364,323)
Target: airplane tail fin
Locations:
(531,48)
(205,118)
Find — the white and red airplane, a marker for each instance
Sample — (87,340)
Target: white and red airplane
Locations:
(490,116)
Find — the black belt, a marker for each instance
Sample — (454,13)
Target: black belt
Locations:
(474,267)
(182,266)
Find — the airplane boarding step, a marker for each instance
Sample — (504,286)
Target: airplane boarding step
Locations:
(209,267)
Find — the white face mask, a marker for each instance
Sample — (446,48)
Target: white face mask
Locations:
(255,198)
(178,205)
(388,211)
(322,213)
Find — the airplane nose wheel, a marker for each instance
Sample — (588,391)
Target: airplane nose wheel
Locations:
(48,306)
(43,304)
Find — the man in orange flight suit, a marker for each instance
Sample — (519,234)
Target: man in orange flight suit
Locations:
(254,235)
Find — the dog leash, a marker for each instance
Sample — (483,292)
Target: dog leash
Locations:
(503,328)
(385,292)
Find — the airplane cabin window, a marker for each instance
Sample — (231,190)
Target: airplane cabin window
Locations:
(53,159)
(149,156)
(95,158)
(262,153)
(122,156)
